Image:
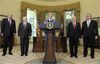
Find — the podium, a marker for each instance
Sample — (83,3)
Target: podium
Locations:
(49,29)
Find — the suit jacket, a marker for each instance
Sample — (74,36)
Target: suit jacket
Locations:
(24,32)
(74,33)
(47,20)
(8,29)
(90,31)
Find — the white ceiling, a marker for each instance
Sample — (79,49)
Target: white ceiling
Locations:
(50,2)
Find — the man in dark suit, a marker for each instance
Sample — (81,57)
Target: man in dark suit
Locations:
(49,19)
(73,34)
(90,33)
(8,30)
(24,31)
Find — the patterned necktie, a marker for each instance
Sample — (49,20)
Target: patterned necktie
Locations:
(24,24)
(74,24)
(9,22)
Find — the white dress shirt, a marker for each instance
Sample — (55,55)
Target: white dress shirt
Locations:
(24,23)
(88,22)
(9,20)
(50,19)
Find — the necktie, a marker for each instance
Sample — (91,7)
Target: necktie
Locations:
(24,25)
(74,24)
(9,22)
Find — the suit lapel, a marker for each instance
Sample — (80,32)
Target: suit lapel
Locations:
(8,22)
(76,25)
(72,25)
(90,23)
(22,26)
(86,24)
(26,26)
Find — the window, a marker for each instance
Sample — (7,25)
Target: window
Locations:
(32,19)
(68,14)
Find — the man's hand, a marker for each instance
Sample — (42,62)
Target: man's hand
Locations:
(68,38)
(29,37)
(96,37)
(15,34)
(1,34)
(45,22)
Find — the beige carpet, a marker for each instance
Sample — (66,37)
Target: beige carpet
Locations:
(17,59)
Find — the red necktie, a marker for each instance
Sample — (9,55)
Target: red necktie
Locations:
(74,24)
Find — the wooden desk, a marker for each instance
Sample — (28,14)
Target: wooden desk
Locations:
(97,43)
(60,44)
(38,44)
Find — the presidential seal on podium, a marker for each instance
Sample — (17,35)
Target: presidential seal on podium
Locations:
(50,25)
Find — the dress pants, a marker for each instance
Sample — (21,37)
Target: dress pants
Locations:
(8,42)
(89,42)
(73,46)
(34,43)
(24,43)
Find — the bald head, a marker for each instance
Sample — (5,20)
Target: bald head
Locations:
(74,19)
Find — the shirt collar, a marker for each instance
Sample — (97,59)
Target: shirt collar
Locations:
(89,20)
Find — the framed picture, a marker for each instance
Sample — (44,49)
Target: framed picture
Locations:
(68,14)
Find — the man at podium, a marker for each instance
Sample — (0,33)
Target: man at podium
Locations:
(49,19)
(49,26)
